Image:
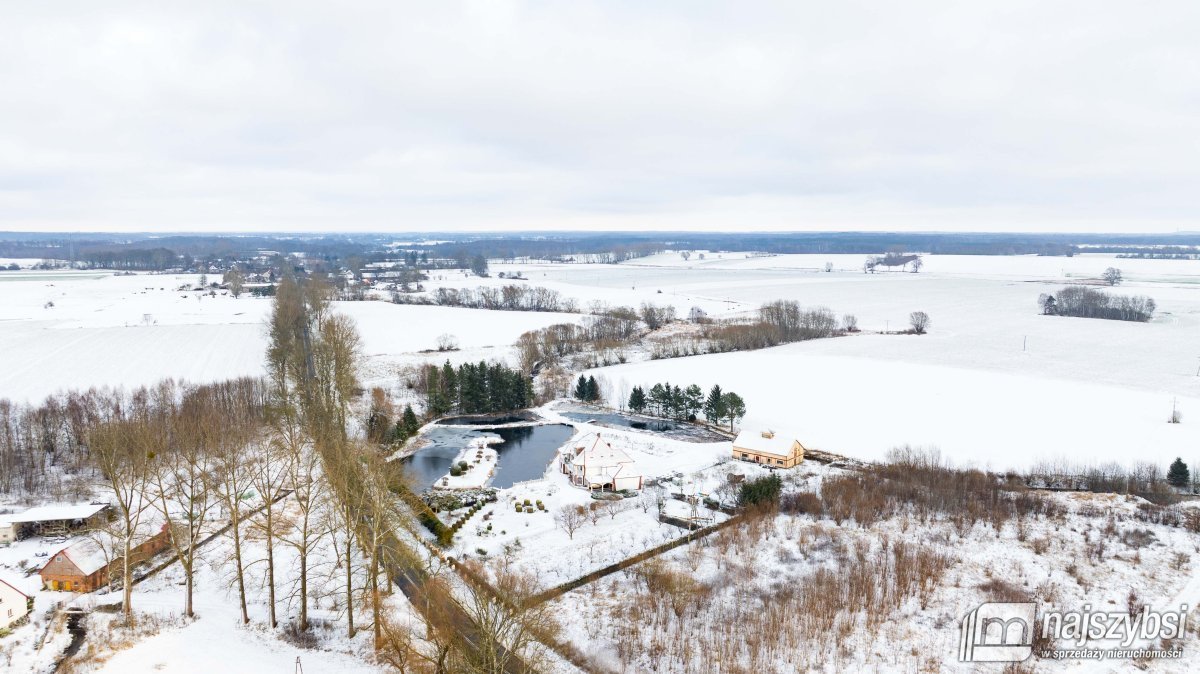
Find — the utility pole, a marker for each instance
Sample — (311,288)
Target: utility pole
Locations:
(1024,342)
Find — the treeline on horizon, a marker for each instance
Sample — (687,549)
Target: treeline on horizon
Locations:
(153,253)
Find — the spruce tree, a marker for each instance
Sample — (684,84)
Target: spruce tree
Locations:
(1178,474)
(637,399)
(409,419)
(657,399)
(581,388)
(593,390)
(714,406)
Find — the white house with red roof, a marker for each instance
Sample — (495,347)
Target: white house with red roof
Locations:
(14,604)
(594,464)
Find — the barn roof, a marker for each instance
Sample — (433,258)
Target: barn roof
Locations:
(55,513)
(87,555)
(766,441)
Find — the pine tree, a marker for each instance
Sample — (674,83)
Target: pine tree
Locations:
(677,403)
(735,407)
(714,406)
(693,401)
(450,384)
(593,390)
(409,419)
(1178,474)
(657,399)
(637,399)
(581,389)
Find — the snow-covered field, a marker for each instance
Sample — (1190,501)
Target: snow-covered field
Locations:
(994,383)
(67,329)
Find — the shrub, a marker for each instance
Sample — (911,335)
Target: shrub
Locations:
(801,503)
(761,491)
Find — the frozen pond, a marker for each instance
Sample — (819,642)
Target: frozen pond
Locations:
(524,454)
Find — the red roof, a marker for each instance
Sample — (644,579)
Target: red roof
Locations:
(14,589)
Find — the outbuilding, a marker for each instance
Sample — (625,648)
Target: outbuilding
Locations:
(766,447)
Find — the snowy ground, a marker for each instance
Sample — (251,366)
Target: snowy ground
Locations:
(71,329)
(535,543)
(1051,559)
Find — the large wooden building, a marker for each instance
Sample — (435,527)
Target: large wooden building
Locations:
(768,448)
(53,520)
(85,566)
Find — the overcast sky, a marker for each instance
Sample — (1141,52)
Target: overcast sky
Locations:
(290,116)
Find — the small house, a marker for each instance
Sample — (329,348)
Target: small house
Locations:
(80,567)
(14,604)
(8,532)
(85,566)
(595,464)
(766,447)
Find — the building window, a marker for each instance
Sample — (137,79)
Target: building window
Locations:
(745,456)
(779,461)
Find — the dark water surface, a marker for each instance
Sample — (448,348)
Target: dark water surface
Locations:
(523,455)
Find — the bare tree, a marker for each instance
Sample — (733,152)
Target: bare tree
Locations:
(447,342)
(1112,276)
(231,482)
(916,265)
(850,323)
(270,476)
(181,479)
(570,518)
(235,279)
(118,449)
(509,625)
(300,529)
(919,321)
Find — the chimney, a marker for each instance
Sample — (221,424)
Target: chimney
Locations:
(768,434)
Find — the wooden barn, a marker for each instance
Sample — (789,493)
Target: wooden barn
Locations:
(86,567)
(54,520)
(766,447)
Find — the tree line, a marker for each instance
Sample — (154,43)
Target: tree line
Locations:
(686,403)
(1083,302)
(473,388)
(505,298)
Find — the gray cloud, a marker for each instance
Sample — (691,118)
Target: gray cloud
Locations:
(484,115)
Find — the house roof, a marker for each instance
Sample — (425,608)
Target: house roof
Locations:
(87,555)
(14,587)
(54,513)
(601,453)
(757,440)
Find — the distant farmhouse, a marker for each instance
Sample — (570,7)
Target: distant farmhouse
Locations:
(766,447)
(85,566)
(14,605)
(599,466)
(52,520)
